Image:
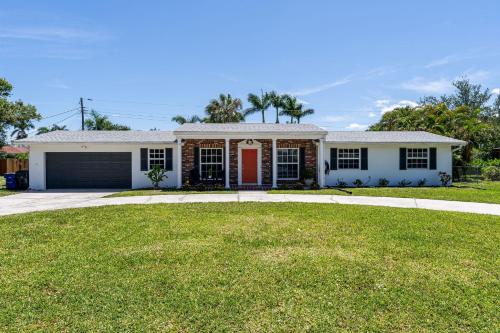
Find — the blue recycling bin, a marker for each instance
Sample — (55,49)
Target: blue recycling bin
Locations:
(10,181)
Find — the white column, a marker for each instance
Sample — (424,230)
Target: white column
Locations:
(321,178)
(227,164)
(179,163)
(275,164)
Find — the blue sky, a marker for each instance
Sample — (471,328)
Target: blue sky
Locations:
(143,62)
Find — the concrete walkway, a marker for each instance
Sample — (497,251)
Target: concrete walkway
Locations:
(51,200)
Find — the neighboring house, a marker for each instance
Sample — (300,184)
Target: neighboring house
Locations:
(240,155)
(11,150)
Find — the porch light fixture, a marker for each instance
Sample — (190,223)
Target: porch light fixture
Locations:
(249,142)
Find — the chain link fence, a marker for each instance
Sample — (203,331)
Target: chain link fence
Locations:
(467,174)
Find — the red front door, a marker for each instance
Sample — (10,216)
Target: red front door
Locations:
(249,166)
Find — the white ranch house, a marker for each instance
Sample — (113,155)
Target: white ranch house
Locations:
(240,155)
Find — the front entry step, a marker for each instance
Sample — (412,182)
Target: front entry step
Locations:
(251,187)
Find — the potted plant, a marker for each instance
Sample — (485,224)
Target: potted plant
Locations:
(308,176)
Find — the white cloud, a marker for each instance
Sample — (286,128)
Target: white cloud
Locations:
(357,127)
(385,105)
(372,114)
(476,76)
(441,61)
(58,84)
(317,89)
(428,86)
(496,91)
(50,34)
(380,103)
(333,119)
(368,74)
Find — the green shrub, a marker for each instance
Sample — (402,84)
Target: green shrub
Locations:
(444,178)
(421,182)
(383,182)
(298,186)
(358,183)
(491,173)
(404,183)
(314,186)
(341,183)
(156,175)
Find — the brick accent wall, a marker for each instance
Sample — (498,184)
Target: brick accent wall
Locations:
(188,156)
(188,153)
(310,150)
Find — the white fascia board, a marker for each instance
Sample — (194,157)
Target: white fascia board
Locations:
(253,135)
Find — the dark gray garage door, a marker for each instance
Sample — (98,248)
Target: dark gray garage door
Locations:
(88,170)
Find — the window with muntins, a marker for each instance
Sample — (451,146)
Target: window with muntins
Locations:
(348,158)
(156,157)
(417,158)
(288,163)
(211,164)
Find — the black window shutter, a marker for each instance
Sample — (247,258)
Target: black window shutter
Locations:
(168,159)
(364,158)
(333,158)
(402,158)
(302,162)
(144,159)
(432,160)
(196,157)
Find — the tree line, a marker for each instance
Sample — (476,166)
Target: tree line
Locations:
(470,114)
(227,109)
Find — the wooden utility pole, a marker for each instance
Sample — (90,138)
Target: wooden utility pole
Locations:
(82,110)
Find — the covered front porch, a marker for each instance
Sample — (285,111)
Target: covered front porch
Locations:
(249,156)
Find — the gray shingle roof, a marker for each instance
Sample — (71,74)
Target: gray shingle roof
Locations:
(101,137)
(390,137)
(249,127)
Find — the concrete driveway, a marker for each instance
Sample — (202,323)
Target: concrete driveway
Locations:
(50,200)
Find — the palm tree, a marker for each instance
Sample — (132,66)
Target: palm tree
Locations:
(294,109)
(54,127)
(182,120)
(259,104)
(277,102)
(225,109)
(290,106)
(98,122)
(303,113)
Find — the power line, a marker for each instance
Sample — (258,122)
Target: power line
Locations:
(58,114)
(145,103)
(74,114)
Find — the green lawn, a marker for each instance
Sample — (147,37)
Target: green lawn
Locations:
(478,192)
(253,267)
(143,192)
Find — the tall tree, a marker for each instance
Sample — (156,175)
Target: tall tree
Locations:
(23,121)
(54,127)
(182,120)
(98,122)
(225,109)
(259,104)
(277,102)
(14,114)
(294,109)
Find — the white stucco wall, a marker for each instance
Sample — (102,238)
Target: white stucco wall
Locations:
(139,179)
(383,162)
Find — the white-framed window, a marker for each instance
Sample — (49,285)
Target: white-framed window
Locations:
(156,157)
(211,163)
(348,158)
(417,158)
(288,163)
